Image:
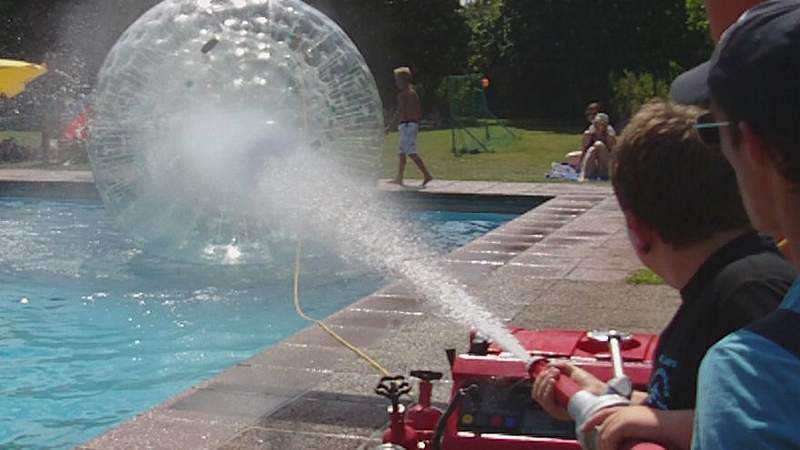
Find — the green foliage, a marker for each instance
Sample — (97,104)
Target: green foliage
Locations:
(429,36)
(631,90)
(696,16)
(29,139)
(549,58)
(644,277)
(546,58)
(488,34)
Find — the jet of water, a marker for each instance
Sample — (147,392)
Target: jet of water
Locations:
(323,202)
(217,123)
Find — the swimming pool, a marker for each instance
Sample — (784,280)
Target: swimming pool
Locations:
(94,331)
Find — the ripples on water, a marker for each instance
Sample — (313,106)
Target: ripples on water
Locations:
(93,331)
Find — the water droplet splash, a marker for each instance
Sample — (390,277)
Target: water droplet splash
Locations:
(359,223)
(196,99)
(270,133)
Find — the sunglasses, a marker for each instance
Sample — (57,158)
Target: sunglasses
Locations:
(708,129)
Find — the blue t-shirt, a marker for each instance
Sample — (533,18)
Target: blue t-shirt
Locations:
(748,394)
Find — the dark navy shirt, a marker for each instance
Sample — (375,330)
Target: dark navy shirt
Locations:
(741,282)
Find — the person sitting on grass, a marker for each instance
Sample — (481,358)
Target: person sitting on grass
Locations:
(598,142)
(686,223)
(575,158)
(407,117)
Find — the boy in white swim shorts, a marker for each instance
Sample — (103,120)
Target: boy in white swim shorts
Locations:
(407,117)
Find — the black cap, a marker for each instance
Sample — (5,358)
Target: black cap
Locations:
(692,87)
(755,71)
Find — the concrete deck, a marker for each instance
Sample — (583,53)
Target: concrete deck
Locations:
(49,183)
(46,176)
(560,265)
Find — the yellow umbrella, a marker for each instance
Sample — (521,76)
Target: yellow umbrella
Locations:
(14,75)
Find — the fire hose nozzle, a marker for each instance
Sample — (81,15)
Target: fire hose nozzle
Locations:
(564,389)
(580,404)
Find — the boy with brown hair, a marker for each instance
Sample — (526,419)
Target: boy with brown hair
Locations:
(686,222)
(748,384)
(407,118)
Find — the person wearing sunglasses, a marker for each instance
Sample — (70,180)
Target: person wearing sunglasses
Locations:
(749,382)
(686,222)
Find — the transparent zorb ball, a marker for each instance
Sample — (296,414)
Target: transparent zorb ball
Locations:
(199,97)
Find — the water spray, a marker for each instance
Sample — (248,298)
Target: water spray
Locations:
(280,136)
(177,167)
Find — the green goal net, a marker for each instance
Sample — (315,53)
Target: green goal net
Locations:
(474,128)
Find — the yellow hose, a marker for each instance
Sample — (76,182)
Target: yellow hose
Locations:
(324,327)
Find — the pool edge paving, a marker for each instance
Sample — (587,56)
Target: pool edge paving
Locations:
(562,265)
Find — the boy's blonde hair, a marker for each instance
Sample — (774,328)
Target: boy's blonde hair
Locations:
(403,73)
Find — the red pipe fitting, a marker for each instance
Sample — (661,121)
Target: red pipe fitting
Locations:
(399,433)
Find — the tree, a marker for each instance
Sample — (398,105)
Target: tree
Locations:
(546,58)
(630,91)
(556,55)
(488,29)
(431,37)
(696,16)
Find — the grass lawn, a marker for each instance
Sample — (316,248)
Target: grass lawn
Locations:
(45,165)
(526,159)
(31,139)
(644,277)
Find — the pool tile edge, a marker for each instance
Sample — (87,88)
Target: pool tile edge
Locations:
(535,231)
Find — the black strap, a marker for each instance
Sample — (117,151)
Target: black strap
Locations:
(781,327)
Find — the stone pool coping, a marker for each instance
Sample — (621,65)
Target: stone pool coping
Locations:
(47,183)
(559,265)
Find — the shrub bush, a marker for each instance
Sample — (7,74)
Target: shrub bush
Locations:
(632,90)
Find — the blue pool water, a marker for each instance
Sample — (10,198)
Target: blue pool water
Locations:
(94,331)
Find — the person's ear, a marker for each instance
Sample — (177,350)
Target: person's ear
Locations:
(755,148)
(641,235)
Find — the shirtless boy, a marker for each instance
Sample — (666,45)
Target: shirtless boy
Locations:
(407,117)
